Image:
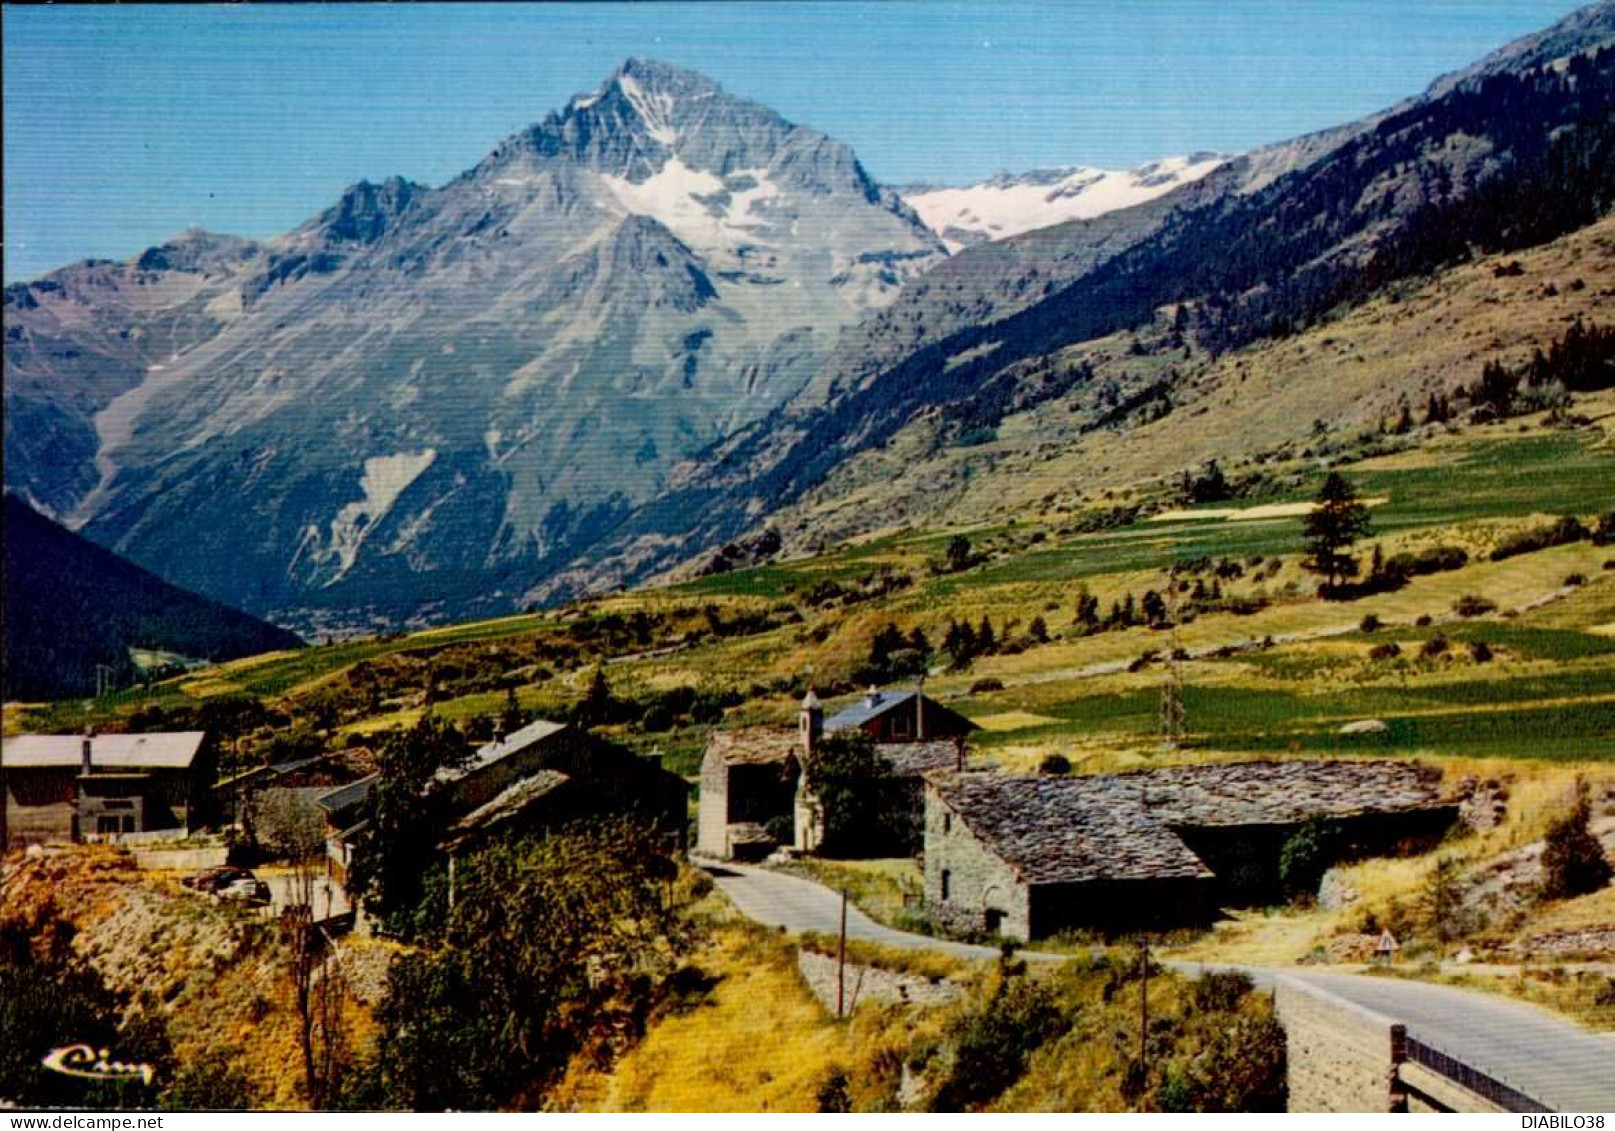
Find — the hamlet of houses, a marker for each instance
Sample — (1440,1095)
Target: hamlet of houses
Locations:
(1019,855)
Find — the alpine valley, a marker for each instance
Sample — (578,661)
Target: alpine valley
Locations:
(664,320)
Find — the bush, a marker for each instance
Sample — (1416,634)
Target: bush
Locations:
(1387,651)
(1054,764)
(1574,580)
(1307,855)
(782,827)
(1480,651)
(1221,990)
(1423,621)
(994,1042)
(1604,529)
(983,686)
(1370,623)
(209,1082)
(834,1094)
(1435,646)
(1559,533)
(1470,605)
(1573,861)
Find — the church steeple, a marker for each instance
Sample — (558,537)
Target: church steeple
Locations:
(811,722)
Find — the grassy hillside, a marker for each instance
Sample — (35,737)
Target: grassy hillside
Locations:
(1243,408)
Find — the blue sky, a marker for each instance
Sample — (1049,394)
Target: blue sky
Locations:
(124,125)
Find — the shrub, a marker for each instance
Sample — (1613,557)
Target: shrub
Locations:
(994,1042)
(1370,623)
(1480,651)
(782,827)
(1387,651)
(1573,580)
(1054,764)
(1469,605)
(1221,990)
(983,686)
(1437,645)
(1307,855)
(1604,529)
(1561,532)
(1423,621)
(834,1094)
(1573,860)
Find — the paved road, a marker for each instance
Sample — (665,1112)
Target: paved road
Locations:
(775,899)
(1562,1066)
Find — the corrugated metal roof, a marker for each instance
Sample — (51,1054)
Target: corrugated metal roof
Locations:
(171,750)
(344,797)
(512,743)
(862,711)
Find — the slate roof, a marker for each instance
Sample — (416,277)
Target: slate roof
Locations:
(754,746)
(912,759)
(1060,830)
(1287,792)
(1121,826)
(174,750)
(508,803)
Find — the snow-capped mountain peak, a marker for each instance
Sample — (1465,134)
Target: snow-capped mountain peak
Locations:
(1011,203)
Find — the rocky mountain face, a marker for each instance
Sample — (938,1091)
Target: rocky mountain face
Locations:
(1514,152)
(1012,203)
(423,398)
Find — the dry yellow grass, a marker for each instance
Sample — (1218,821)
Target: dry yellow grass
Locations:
(760,1042)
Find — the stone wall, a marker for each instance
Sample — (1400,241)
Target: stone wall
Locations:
(712,813)
(871,983)
(979,880)
(1342,1057)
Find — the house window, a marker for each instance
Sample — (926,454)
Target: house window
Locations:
(995,920)
(946,877)
(947,822)
(106,824)
(128,824)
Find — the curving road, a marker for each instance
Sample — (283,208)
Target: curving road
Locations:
(1560,1065)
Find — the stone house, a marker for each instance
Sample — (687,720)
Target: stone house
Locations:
(64,787)
(1029,857)
(754,795)
(749,781)
(540,776)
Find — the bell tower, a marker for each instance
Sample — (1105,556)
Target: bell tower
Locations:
(811,723)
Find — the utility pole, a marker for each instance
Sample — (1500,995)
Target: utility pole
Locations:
(1143,1000)
(1174,716)
(841,960)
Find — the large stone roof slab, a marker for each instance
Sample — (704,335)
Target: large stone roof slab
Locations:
(1285,792)
(1060,830)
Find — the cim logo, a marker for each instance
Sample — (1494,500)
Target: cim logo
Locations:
(90,1063)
